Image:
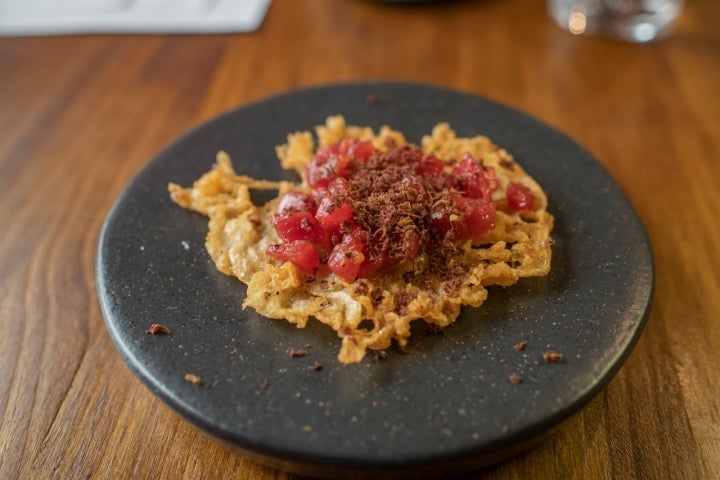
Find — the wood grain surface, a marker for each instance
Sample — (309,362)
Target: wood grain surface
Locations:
(80,115)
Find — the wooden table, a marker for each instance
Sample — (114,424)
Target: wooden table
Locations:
(80,115)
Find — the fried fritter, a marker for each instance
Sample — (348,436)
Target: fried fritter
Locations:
(240,232)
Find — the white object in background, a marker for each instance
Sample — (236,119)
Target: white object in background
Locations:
(53,17)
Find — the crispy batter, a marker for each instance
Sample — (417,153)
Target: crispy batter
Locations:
(519,245)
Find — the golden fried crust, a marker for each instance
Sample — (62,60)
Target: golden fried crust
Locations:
(519,245)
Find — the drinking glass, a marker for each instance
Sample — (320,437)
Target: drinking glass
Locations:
(632,20)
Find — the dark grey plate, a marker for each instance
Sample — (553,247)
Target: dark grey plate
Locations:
(445,407)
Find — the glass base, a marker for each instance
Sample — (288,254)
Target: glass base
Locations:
(631,20)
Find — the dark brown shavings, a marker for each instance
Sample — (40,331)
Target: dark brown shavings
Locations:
(263,386)
(376,296)
(394,206)
(380,355)
(402,300)
(361,288)
(297,353)
(157,328)
(434,329)
(507,164)
(316,367)
(515,378)
(553,357)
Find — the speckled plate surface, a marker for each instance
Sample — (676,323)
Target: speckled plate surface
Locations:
(446,406)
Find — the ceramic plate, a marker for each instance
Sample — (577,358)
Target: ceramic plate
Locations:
(447,405)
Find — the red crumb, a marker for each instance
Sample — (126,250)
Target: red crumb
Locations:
(520,346)
(515,378)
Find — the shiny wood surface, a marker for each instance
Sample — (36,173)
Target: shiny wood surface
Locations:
(80,115)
